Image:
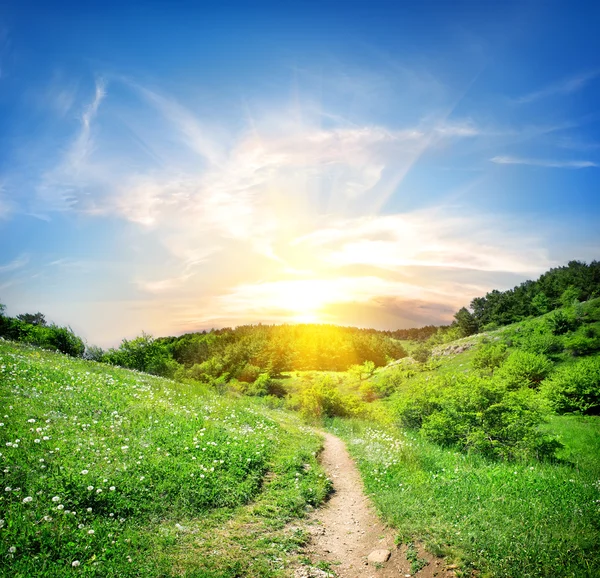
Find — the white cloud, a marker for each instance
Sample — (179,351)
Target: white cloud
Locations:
(15,264)
(564,86)
(549,163)
(429,238)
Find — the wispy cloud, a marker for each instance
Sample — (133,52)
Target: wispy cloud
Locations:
(437,238)
(278,217)
(73,172)
(6,206)
(564,86)
(549,163)
(15,264)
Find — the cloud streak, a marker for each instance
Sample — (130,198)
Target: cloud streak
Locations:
(567,85)
(549,163)
(15,264)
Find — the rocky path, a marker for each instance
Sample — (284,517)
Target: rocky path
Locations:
(347,534)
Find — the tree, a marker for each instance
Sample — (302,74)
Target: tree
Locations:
(540,304)
(466,322)
(570,296)
(38,319)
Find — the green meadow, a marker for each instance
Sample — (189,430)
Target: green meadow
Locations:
(110,472)
(480,439)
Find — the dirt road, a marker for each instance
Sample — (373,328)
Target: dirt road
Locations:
(345,531)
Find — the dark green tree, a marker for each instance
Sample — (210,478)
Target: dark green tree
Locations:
(466,322)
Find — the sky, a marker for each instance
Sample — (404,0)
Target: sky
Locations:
(172,166)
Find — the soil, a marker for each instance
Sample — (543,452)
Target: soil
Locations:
(346,530)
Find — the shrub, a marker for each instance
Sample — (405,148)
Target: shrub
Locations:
(575,387)
(477,414)
(362,371)
(561,321)
(249,373)
(570,296)
(583,342)
(323,398)
(143,353)
(541,342)
(260,386)
(489,355)
(524,369)
(206,371)
(422,353)
(93,353)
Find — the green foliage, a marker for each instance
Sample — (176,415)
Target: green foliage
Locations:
(125,473)
(475,414)
(489,355)
(575,387)
(583,342)
(466,322)
(540,304)
(362,371)
(249,373)
(559,286)
(322,397)
(144,353)
(93,353)
(422,353)
(562,321)
(570,296)
(33,318)
(260,386)
(524,369)
(277,349)
(206,372)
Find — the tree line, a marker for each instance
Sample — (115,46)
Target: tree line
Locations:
(246,352)
(558,287)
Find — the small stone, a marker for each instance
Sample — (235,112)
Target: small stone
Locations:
(452,567)
(379,556)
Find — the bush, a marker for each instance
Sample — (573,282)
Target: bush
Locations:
(561,321)
(583,342)
(541,342)
(324,399)
(260,386)
(489,355)
(143,353)
(249,373)
(477,414)
(422,353)
(524,369)
(207,371)
(575,387)
(93,353)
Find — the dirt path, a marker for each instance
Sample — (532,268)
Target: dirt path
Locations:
(346,530)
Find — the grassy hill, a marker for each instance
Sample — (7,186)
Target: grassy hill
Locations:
(455,457)
(486,448)
(110,472)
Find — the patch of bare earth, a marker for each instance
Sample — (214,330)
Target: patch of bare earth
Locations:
(348,539)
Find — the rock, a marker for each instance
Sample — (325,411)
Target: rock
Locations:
(379,556)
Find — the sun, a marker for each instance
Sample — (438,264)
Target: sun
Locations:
(304,299)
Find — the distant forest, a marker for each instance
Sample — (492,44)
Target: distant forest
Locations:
(251,352)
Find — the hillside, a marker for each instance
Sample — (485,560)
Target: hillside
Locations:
(483,449)
(488,450)
(110,472)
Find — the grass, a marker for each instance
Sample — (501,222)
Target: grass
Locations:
(502,519)
(109,472)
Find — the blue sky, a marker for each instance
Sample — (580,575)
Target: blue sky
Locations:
(173,166)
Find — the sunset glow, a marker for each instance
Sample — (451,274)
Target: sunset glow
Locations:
(209,179)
